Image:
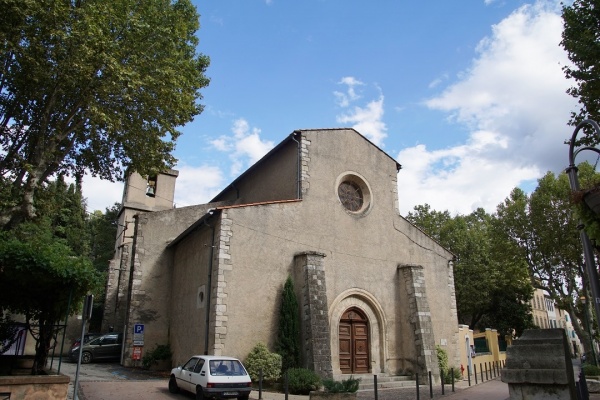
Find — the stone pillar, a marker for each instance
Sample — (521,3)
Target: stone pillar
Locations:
(538,366)
(315,337)
(413,280)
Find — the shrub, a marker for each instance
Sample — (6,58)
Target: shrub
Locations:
(160,352)
(260,358)
(442,357)
(288,337)
(448,375)
(590,370)
(302,381)
(349,385)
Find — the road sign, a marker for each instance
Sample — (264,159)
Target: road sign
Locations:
(137,353)
(138,328)
(138,334)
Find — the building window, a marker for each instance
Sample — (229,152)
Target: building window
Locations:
(354,193)
(351,196)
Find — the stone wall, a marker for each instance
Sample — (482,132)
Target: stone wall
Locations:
(34,387)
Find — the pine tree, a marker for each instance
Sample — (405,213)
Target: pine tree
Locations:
(289,328)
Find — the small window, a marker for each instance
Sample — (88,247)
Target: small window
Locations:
(351,196)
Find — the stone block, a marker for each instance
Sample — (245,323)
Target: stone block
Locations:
(538,366)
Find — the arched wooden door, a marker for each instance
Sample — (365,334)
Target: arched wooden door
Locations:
(354,342)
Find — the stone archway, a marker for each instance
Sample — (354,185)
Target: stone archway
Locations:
(353,346)
(370,308)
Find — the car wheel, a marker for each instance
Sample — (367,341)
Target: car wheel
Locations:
(173,388)
(199,394)
(244,397)
(86,357)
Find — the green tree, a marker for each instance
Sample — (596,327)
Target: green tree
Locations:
(544,230)
(288,335)
(487,282)
(62,207)
(102,231)
(98,86)
(39,275)
(580,35)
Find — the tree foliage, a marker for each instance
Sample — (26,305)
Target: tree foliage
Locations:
(92,85)
(544,227)
(288,339)
(580,38)
(39,276)
(492,288)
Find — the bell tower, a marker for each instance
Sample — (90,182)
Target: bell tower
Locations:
(141,194)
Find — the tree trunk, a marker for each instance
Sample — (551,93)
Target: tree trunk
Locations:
(42,347)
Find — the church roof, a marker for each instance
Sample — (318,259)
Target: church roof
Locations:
(285,141)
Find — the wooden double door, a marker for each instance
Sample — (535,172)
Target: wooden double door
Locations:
(354,342)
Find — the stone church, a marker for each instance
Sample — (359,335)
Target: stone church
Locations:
(375,293)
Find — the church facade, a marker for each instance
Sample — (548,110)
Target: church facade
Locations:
(376,294)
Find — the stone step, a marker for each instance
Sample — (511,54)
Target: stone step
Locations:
(367,381)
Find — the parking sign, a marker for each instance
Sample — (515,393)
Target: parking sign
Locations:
(138,334)
(138,329)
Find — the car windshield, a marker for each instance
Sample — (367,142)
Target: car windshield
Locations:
(226,368)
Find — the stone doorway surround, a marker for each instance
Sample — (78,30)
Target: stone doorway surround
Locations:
(369,305)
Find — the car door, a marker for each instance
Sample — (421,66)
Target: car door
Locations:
(184,376)
(198,376)
(108,347)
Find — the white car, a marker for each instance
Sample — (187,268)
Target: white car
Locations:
(212,376)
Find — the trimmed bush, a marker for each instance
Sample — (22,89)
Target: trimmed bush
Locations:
(590,370)
(349,385)
(260,358)
(302,381)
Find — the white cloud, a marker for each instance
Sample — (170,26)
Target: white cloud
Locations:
(197,185)
(101,194)
(513,101)
(245,146)
(367,120)
(345,98)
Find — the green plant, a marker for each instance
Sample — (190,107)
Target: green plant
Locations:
(349,385)
(159,353)
(590,370)
(446,372)
(448,375)
(261,359)
(442,357)
(302,381)
(289,327)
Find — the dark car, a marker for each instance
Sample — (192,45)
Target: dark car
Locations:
(105,347)
(86,338)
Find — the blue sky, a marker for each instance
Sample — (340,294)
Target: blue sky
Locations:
(468,96)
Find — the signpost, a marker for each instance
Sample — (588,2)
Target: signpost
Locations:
(138,334)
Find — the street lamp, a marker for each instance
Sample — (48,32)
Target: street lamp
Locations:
(589,331)
(585,240)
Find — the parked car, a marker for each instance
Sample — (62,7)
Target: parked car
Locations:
(212,377)
(107,346)
(86,338)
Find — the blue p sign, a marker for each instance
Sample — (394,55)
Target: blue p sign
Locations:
(138,328)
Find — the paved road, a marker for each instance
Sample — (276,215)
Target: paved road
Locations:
(109,381)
